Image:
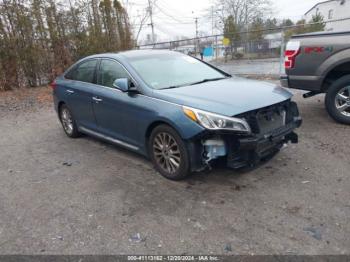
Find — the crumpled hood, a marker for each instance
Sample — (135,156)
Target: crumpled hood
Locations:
(228,97)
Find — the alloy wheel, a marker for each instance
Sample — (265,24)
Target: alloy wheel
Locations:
(166,152)
(67,120)
(342,101)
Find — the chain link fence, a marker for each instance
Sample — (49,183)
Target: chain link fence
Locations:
(253,52)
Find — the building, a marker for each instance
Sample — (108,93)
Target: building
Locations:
(332,10)
(274,40)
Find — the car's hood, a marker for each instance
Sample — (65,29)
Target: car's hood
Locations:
(228,97)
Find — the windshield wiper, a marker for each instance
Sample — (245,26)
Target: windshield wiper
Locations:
(171,87)
(195,83)
(207,80)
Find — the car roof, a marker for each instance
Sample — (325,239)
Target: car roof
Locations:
(134,54)
(149,52)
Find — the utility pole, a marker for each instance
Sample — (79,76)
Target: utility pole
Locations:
(282,52)
(197,40)
(212,20)
(247,34)
(212,33)
(152,26)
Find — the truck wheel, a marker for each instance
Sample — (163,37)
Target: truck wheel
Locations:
(338,100)
(168,153)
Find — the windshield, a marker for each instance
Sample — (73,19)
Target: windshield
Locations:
(162,71)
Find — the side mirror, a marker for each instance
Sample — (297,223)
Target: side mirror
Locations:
(123,84)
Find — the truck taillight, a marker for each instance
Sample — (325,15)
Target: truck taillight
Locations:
(292,51)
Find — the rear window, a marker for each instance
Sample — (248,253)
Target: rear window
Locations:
(84,72)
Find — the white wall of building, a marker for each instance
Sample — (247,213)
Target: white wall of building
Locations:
(330,10)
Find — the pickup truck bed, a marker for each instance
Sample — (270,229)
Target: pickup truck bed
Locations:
(320,63)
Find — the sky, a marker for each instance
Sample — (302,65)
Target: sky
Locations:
(174,18)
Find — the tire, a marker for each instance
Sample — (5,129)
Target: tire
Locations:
(68,123)
(166,149)
(338,100)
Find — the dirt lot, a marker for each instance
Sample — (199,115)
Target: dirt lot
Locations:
(83,196)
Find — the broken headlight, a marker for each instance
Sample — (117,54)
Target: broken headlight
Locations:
(216,122)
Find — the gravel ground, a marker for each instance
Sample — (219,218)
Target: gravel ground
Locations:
(83,196)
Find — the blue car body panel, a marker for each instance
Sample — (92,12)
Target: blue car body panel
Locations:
(79,102)
(123,116)
(128,116)
(226,97)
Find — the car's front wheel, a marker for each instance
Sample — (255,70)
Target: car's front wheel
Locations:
(168,153)
(338,100)
(68,122)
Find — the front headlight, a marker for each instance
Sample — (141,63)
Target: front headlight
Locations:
(216,122)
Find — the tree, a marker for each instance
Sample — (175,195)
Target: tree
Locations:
(256,30)
(301,27)
(243,12)
(271,25)
(9,73)
(286,23)
(316,23)
(142,20)
(232,33)
(41,38)
(123,25)
(236,16)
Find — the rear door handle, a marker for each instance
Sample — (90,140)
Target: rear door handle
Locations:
(70,91)
(96,99)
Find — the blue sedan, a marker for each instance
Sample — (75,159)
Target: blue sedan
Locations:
(182,113)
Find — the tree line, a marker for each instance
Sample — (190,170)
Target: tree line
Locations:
(39,39)
(246,21)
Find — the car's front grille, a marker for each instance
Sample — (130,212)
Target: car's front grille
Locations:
(268,119)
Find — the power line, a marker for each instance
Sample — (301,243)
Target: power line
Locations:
(255,31)
(166,18)
(162,30)
(173,10)
(169,23)
(138,4)
(168,15)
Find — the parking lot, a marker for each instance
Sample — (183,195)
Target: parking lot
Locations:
(268,67)
(83,196)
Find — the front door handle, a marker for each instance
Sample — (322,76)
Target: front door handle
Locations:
(70,91)
(96,99)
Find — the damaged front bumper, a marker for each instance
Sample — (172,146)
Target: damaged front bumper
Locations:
(250,151)
(241,150)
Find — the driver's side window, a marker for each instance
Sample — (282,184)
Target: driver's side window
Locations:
(109,72)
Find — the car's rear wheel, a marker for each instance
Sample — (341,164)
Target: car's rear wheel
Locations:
(338,100)
(68,122)
(168,153)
